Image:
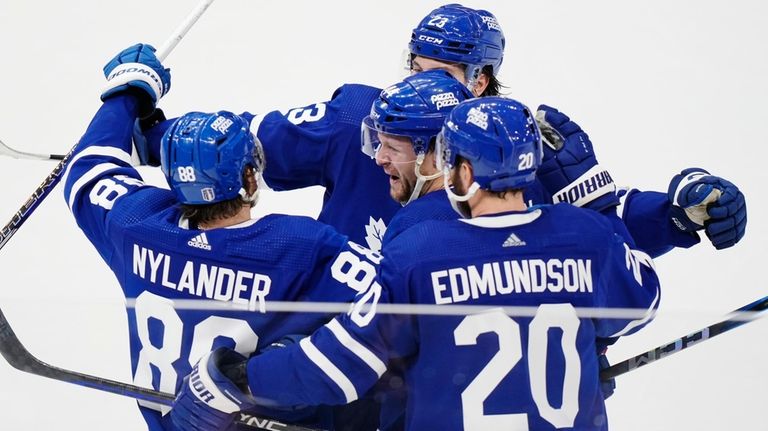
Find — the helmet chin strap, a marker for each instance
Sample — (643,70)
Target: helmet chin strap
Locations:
(420,179)
(454,198)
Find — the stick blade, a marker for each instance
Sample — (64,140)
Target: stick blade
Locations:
(5,150)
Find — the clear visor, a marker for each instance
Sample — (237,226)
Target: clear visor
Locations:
(406,63)
(369,138)
(442,153)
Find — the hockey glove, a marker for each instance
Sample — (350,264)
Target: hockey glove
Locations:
(703,201)
(136,69)
(148,155)
(569,171)
(215,390)
(606,386)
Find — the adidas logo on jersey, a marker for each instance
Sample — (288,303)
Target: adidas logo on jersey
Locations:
(200,241)
(513,241)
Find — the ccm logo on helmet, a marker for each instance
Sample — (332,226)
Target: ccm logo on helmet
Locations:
(431,39)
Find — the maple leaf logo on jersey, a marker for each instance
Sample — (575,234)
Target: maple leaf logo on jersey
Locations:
(374,231)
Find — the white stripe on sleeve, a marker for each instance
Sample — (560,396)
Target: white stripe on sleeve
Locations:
(255,123)
(358,349)
(97,151)
(622,193)
(329,369)
(87,177)
(648,316)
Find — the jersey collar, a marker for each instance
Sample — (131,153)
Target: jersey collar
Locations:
(504,220)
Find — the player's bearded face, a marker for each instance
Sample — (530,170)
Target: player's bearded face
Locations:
(397,158)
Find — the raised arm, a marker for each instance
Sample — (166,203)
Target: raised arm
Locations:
(101,172)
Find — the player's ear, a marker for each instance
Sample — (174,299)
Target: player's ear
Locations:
(481,84)
(470,172)
(466,174)
(430,159)
(250,181)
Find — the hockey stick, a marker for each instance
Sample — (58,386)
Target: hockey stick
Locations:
(54,178)
(754,310)
(20,358)
(10,346)
(5,150)
(50,182)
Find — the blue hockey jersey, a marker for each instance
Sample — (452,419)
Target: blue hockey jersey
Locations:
(487,370)
(432,206)
(158,261)
(319,145)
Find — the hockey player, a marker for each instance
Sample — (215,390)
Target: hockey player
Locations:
(319,144)
(197,241)
(400,133)
(469,44)
(482,371)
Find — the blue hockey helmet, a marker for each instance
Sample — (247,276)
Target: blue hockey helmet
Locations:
(457,34)
(415,108)
(203,156)
(499,136)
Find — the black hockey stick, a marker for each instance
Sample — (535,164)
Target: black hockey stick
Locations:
(5,150)
(753,310)
(50,182)
(37,197)
(10,346)
(19,357)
